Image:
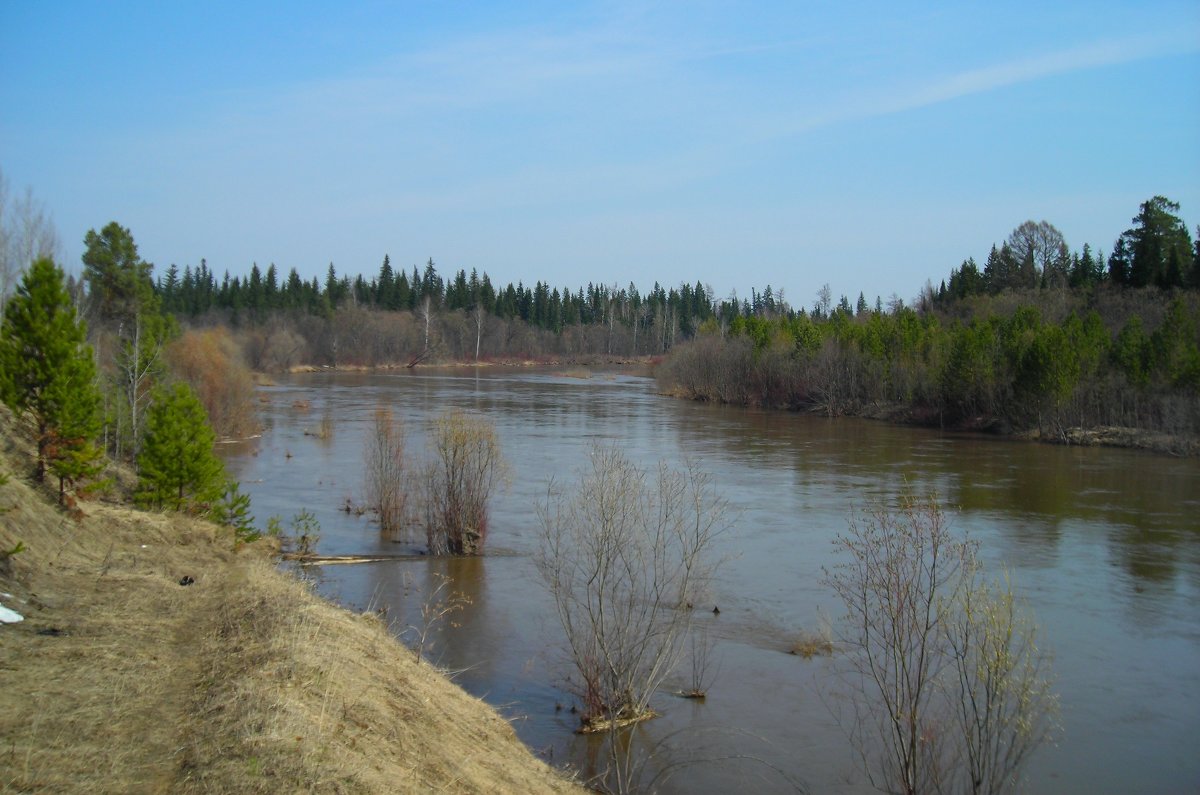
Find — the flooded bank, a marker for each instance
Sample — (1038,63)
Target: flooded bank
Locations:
(1103,544)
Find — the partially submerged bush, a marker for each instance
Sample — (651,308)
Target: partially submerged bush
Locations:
(452,487)
(387,475)
(947,687)
(624,554)
(465,467)
(811,644)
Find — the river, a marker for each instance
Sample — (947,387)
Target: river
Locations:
(1103,545)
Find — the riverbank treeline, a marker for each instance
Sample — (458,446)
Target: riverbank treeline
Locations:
(395,317)
(1032,361)
(1039,339)
(396,314)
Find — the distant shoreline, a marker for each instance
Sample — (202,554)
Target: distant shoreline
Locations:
(1104,436)
(895,414)
(588,360)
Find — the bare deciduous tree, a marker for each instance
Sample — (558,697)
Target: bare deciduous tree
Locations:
(138,363)
(945,685)
(465,467)
(27,233)
(479,315)
(624,555)
(902,567)
(824,300)
(211,362)
(1040,243)
(703,667)
(425,311)
(1000,695)
(387,484)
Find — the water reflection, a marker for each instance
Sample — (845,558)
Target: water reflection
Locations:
(1105,544)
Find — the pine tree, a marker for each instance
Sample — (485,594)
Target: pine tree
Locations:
(123,302)
(47,372)
(177,468)
(234,511)
(72,454)
(118,279)
(1159,245)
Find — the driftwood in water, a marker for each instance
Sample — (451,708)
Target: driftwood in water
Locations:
(330,560)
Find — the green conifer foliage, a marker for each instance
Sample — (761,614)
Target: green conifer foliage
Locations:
(177,468)
(234,511)
(48,374)
(72,454)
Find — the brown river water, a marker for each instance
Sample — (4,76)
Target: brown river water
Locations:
(1103,544)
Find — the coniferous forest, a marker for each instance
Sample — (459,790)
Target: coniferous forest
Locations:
(1042,340)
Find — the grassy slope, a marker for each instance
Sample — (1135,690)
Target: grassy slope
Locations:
(121,680)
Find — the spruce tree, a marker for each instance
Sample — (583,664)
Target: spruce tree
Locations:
(1159,245)
(48,374)
(177,468)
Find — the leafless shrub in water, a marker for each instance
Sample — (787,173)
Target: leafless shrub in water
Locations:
(704,667)
(466,466)
(946,687)
(387,483)
(623,555)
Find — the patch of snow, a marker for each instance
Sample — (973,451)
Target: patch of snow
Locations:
(9,616)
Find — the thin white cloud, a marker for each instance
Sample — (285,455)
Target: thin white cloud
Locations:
(1010,73)
(1026,70)
(561,126)
(491,69)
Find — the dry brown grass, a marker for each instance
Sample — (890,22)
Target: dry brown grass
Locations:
(811,644)
(122,680)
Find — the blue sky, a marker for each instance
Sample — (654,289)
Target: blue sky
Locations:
(866,145)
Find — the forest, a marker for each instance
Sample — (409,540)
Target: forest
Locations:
(121,366)
(1041,340)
